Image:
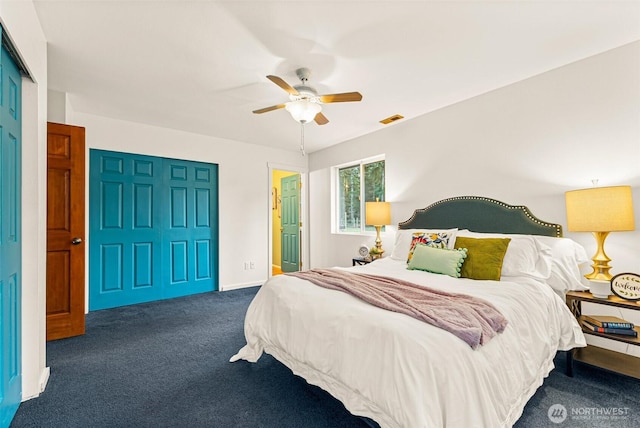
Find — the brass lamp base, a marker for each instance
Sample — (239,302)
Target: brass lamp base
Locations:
(600,259)
(377,251)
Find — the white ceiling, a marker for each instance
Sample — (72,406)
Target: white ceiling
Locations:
(200,66)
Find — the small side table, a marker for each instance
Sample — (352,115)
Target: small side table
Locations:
(360,261)
(600,357)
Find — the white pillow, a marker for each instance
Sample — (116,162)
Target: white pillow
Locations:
(404,237)
(566,258)
(525,256)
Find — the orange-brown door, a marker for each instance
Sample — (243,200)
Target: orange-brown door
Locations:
(65,231)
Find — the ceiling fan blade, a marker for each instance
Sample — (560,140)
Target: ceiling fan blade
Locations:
(284,85)
(341,98)
(320,119)
(266,109)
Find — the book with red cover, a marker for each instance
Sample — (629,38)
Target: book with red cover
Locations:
(607,321)
(608,330)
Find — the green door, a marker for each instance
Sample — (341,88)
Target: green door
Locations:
(290,223)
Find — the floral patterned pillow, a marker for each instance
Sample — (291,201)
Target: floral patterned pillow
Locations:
(430,239)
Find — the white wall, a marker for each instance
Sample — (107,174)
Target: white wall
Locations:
(56,106)
(526,143)
(244,190)
(21,23)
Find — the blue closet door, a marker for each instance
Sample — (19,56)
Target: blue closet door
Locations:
(10,238)
(153,230)
(124,229)
(189,227)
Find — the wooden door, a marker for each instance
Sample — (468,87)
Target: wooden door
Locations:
(10,238)
(290,223)
(65,231)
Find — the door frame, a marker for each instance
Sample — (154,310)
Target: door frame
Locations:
(304,212)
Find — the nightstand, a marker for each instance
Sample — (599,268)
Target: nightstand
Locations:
(360,261)
(600,357)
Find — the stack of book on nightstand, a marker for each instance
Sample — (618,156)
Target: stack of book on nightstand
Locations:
(608,324)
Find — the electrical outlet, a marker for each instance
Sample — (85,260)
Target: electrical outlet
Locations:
(252,265)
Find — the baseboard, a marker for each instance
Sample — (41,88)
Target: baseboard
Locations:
(44,380)
(229,287)
(276,270)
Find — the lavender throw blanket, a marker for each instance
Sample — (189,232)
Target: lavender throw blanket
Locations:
(471,319)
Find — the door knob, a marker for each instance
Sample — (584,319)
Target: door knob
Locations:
(76,241)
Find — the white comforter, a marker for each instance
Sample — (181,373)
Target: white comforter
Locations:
(402,372)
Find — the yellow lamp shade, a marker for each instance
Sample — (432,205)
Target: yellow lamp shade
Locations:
(377,213)
(600,209)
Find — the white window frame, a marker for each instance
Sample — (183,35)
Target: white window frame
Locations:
(335,194)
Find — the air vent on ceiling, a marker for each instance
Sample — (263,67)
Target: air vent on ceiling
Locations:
(390,119)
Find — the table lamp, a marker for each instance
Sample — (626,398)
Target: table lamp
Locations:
(377,214)
(600,210)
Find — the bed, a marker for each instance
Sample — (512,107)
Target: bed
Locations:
(402,372)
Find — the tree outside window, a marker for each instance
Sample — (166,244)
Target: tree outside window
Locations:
(357,184)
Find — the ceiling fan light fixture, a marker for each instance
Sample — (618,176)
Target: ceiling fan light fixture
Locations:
(303,110)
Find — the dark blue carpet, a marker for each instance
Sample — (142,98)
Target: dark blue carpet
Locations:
(165,364)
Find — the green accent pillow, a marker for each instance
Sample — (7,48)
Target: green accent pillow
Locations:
(437,260)
(484,257)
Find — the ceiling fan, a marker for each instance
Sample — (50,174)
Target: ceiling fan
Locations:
(306,104)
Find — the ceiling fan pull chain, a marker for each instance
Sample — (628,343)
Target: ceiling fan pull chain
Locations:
(302,138)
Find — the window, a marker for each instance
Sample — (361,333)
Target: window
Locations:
(357,183)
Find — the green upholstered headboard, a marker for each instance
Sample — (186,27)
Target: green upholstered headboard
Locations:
(480,214)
